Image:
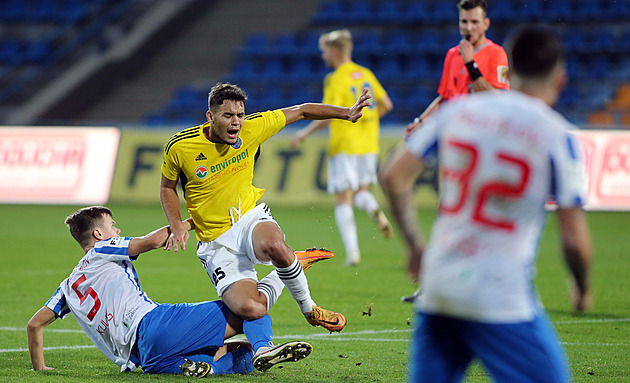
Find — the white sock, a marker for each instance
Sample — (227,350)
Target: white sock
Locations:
(271,286)
(344,215)
(365,200)
(294,279)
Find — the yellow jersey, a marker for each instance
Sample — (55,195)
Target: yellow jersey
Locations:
(342,88)
(217,178)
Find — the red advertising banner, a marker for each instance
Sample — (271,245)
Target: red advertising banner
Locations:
(606,155)
(57,165)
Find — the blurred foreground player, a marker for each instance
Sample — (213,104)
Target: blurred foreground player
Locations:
(104,295)
(500,157)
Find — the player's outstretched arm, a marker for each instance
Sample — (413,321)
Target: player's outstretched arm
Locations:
(577,251)
(35,335)
(397,178)
(315,111)
(156,239)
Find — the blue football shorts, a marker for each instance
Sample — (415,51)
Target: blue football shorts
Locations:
(171,333)
(443,347)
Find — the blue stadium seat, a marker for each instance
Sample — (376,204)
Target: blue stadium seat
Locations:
(588,10)
(331,12)
(415,12)
(428,42)
(602,40)
(255,45)
(502,11)
(573,41)
(388,68)
(389,12)
(444,12)
(529,10)
(616,10)
(598,67)
(11,51)
(569,98)
(398,43)
(368,43)
(419,68)
(360,12)
(557,11)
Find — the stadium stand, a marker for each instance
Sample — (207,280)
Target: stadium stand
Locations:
(404,41)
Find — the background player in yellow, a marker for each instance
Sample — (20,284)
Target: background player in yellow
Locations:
(353,148)
(215,162)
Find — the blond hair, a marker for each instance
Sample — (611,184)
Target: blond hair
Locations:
(340,39)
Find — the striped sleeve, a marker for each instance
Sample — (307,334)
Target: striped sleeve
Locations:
(113,249)
(57,303)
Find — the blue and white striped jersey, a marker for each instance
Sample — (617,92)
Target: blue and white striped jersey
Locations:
(105,297)
(501,157)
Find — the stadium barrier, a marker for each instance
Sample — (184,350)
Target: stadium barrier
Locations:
(289,176)
(57,165)
(75,166)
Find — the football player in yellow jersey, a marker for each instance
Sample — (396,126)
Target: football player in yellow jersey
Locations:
(353,148)
(215,162)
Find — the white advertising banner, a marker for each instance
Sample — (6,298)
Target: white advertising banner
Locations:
(57,165)
(606,155)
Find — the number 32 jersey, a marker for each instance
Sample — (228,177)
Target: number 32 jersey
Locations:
(104,295)
(501,156)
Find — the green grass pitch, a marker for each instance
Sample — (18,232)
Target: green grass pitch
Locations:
(37,253)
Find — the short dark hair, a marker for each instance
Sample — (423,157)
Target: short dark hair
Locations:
(225,91)
(467,5)
(534,51)
(83,221)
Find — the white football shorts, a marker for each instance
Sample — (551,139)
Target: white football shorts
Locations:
(351,171)
(230,257)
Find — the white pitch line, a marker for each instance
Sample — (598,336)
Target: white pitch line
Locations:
(604,320)
(47,330)
(48,348)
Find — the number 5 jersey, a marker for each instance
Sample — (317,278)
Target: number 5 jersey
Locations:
(105,297)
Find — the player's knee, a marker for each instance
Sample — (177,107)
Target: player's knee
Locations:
(278,251)
(250,309)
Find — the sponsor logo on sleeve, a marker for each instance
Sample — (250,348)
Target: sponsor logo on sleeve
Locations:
(502,74)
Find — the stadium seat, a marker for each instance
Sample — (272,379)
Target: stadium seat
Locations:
(398,43)
(557,11)
(368,43)
(331,12)
(415,12)
(388,12)
(588,10)
(360,12)
(255,45)
(502,11)
(616,10)
(528,10)
(428,42)
(444,12)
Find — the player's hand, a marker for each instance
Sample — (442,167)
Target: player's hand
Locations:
(356,111)
(466,50)
(299,137)
(178,237)
(417,122)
